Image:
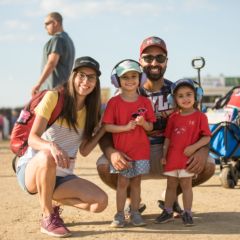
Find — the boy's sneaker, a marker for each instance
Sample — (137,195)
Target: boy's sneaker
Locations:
(136,219)
(176,206)
(54,226)
(164,217)
(187,219)
(127,210)
(118,221)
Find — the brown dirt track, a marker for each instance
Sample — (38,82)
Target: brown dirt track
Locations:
(216,210)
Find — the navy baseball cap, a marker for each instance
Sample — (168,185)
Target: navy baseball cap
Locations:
(182,82)
(87,61)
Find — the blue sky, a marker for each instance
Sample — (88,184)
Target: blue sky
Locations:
(112,30)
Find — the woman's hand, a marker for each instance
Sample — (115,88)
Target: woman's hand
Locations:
(59,155)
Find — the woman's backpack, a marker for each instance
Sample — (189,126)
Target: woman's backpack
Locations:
(23,125)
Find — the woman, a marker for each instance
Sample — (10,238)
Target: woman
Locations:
(47,166)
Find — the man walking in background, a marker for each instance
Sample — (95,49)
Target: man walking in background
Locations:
(58,55)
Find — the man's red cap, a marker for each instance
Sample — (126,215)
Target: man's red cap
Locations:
(153,41)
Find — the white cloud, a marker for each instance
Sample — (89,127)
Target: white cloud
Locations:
(14,2)
(20,38)
(76,9)
(16,24)
(198,5)
(92,7)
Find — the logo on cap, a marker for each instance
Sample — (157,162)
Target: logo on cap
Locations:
(153,41)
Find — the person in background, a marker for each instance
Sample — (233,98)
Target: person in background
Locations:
(58,55)
(187,131)
(128,116)
(1,127)
(47,166)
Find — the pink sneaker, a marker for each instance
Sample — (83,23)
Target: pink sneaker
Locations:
(58,210)
(54,226)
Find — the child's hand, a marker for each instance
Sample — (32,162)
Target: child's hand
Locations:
(140,120)
(163,161)
(188,151)
(131,125)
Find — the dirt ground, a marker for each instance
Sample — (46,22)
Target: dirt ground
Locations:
(216,210)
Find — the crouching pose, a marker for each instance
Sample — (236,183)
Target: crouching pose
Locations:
(47,166)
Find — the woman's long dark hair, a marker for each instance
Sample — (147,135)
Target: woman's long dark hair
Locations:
(92,104)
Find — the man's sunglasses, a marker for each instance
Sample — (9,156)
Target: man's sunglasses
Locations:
(159,58)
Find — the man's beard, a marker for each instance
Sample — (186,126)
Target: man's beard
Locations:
(153,76)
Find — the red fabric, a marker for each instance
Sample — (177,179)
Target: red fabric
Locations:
(23,125)
(134,143)
(183,130)
(235,99)
(1,120)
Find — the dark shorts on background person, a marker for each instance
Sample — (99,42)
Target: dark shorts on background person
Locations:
(21,178)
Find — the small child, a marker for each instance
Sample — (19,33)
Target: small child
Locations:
(128,116)
(187,131)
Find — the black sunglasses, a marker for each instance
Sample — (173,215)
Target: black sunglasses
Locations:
(49,22)
(159,58)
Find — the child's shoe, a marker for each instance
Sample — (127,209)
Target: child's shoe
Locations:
(164,217)
(119,220)
(136,219)
(187,219)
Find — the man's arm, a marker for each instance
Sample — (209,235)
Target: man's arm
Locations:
(198,160)
(203,141)
(52,62)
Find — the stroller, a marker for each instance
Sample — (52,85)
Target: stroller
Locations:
(224,124)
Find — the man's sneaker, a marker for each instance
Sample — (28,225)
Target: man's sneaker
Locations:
(136,219)
(118,221)
(142,207)
(127,210)
(54,226)
(187,219)
(164,217)
(176,206)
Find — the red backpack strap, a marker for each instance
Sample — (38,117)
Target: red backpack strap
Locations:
(58,108)
(35,101)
